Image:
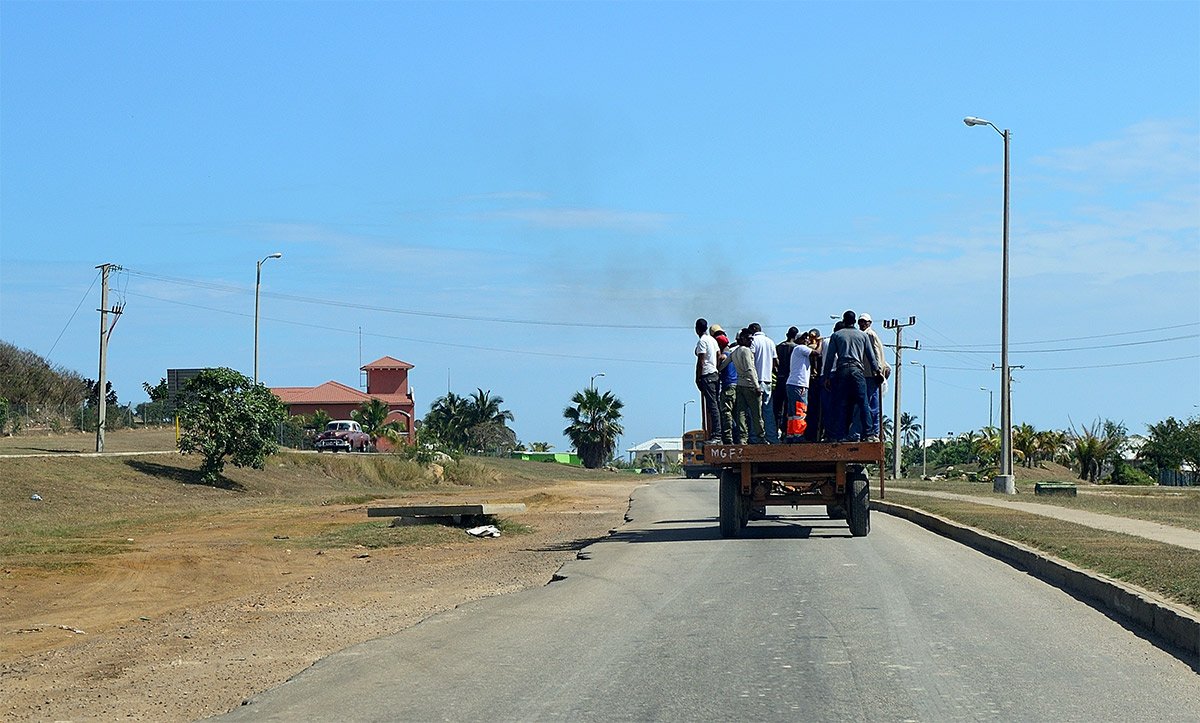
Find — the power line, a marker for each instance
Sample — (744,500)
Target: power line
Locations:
(73,313)
(1060,369)
(405,312)
(1076,338)
(1073,348)
(416,340)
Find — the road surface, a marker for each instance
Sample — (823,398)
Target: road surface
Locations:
(793,621)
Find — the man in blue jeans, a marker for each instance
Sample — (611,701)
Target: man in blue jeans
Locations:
(852,359)
(708,381)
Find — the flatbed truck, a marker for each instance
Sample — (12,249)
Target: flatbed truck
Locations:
(833,474)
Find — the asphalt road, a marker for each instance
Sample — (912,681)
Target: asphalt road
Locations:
(793,621)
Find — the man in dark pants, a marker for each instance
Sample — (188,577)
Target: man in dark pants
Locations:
(708,381)
(783,352)
(852,359)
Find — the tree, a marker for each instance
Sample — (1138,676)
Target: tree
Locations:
(1025,443)
(4,411)
(1092,447)
(910,429)
(540,447)
(594,425)
(318,420)
(370,414)
(223,414)
(444,419)
(156,410)
(1171,443)
(477,422)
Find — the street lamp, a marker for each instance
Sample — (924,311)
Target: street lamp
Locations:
(924,419)
(989,391)
(1004,481)
(690,401)
(257,284)
(592,383)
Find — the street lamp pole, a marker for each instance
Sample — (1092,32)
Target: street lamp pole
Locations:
(1004,481)
(257,285)
(592,383)
(690,401)
(990,398)
(924,420)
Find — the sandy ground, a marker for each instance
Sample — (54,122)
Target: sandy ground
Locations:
(197,620)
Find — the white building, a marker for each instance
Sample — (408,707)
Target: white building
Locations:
(660,449)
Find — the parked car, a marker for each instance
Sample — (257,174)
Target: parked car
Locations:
(343,435)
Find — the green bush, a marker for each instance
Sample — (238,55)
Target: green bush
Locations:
(1124,474)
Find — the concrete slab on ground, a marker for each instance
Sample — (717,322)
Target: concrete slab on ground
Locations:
(446,510)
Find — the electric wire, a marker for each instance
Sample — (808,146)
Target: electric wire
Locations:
(415,340)
(73,313)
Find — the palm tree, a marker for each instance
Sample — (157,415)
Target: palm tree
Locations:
(539,447)
(1024,443)
(483,408)
(370,414)
(910,429)
(987,445)
(594,425)
(444,420)
(1087,450)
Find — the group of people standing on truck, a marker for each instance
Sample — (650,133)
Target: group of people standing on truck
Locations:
(807,388)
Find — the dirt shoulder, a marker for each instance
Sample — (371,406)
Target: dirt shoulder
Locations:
(198,617)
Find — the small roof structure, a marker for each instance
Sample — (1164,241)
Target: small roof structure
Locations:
(387,362)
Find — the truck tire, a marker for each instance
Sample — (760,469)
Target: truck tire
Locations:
(835,512)
(691,474)
(858,503)
(730,503)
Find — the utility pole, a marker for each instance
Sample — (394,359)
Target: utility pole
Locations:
(105,333)
(898,367)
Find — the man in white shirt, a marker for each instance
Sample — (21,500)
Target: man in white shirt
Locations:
(875,386)
(766,359)
(708,381)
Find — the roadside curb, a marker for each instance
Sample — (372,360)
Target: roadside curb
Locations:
(1169,627)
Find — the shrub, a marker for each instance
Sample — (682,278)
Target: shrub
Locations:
(1125,474)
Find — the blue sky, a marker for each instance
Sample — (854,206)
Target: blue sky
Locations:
(517,196)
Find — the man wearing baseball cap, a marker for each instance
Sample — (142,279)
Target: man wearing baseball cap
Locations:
(875,386)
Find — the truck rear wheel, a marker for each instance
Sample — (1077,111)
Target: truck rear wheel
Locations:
(731,504)
(858,503)
(835,512)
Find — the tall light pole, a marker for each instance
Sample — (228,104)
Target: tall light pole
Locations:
(989,391)
(257,284)
(690,401)
(1004,481)
(924,419)
(592,383)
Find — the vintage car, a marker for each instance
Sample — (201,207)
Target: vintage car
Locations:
(343,435)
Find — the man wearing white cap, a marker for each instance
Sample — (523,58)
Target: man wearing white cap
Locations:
(875,386)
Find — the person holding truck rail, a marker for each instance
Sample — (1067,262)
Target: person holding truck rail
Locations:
(851,358)
(748,410)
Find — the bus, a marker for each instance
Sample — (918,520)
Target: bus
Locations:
(693,456)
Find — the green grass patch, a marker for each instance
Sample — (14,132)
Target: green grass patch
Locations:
(378,534)
(1170,571)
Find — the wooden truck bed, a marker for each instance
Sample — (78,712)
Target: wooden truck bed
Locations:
(818,473)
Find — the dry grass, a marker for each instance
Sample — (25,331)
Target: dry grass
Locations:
(154,439)
(1170,571)
(1177,506)
(92,506)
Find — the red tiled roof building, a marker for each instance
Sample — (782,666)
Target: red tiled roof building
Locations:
(387,381)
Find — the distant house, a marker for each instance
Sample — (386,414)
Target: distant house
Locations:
(660,449)
(560,457)
(387,381)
